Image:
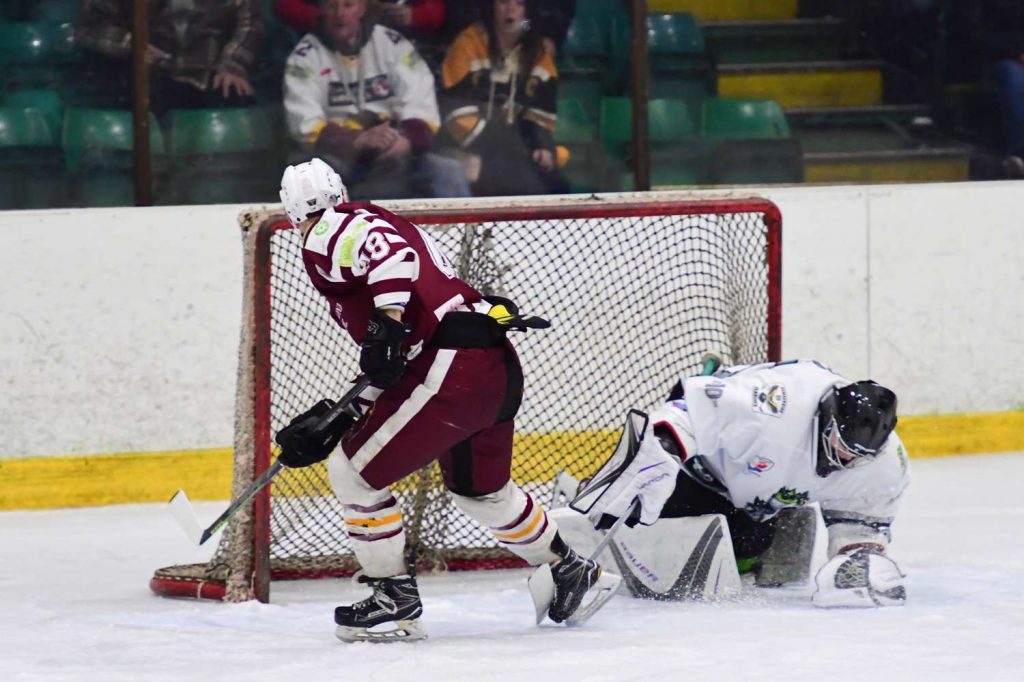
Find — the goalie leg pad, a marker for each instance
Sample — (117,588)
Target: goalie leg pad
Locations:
(373,520)
(797,550)
(682,558)
(517,520)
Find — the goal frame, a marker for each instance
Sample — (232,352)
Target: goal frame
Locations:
(254,395)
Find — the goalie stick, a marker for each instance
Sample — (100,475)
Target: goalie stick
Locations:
(184,513)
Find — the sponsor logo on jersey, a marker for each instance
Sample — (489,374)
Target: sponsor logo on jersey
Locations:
(714,390)
(759,464)
(770,400)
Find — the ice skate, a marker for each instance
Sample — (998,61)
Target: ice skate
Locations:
(390,614)
(559,589)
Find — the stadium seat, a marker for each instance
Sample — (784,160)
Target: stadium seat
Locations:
(677,155)
(730,117)
(224,155)
(752,142)
(56,11)
(34,55)
(577,132)
(98,151)
(48,102)
(584,62)
(30,164)
(679,63)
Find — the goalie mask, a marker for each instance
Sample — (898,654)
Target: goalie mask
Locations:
(309,188)
(854,422)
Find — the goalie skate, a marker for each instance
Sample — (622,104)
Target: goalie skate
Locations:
(390,614)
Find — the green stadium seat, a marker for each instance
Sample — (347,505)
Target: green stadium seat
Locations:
(576,130)
(56,11)
(46,101)
(225,155)
(731,117)
(584,62)
(35,54)
(680,67)
(98,152)
(30,164)
(677,155)
(752,143)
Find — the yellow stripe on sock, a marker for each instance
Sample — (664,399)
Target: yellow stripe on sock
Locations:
(374,523)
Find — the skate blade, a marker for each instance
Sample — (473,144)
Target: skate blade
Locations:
(542,589)
(404,631)
(603,590)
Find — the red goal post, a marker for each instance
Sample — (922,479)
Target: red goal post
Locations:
(637,287)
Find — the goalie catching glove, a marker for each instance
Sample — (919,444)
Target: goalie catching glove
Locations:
(862,576)
(302,445)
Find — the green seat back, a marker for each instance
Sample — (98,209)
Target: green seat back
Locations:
(585,47)
(56,11)
(23,43)
(674,34)
(96,133)
(20,127)
(668,121)
(220,131)
(732,118)
(575,125)
(48,102)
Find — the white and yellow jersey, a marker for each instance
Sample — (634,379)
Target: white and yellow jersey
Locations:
(386,80)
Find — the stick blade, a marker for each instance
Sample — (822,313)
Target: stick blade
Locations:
(185,515)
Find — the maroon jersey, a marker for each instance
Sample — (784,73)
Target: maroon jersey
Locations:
(361,257)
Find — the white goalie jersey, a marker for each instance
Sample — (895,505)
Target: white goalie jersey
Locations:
(754,428)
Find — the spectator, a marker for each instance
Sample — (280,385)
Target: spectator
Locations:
(552,19)
(499,101)
(359,95)
(411,17)
(199,52)
(988,40)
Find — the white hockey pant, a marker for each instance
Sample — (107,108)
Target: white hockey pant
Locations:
(373,519)
(517,520)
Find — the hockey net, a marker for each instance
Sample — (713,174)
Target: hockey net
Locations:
(637,287)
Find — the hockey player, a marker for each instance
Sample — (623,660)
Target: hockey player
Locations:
(751,441)
(445,385)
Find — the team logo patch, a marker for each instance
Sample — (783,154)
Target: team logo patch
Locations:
(321,228)
(759,464)
(714,390)
(770,400)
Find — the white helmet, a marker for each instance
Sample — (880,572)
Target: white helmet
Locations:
(310,187)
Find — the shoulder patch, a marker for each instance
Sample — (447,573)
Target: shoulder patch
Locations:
(346,246)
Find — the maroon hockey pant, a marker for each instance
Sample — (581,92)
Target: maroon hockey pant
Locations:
(454,405)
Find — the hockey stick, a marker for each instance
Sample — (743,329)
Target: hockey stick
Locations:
(185,514)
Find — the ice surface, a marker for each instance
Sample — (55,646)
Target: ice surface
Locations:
(75,604)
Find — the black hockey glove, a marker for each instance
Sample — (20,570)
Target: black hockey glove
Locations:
(381,358)
(300,447)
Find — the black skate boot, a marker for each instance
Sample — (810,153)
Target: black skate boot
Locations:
(573,576)
(395,601)
(558,588)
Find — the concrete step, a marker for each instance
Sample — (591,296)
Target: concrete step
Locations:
(805,84)
(708,10)
(792,40)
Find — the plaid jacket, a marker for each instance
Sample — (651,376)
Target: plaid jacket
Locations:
(201,36)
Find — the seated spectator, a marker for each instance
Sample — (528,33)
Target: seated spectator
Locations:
(500,89)
(358,95)
(551,19)
(411,17)
(199,52)
(987,37)
(418,20)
